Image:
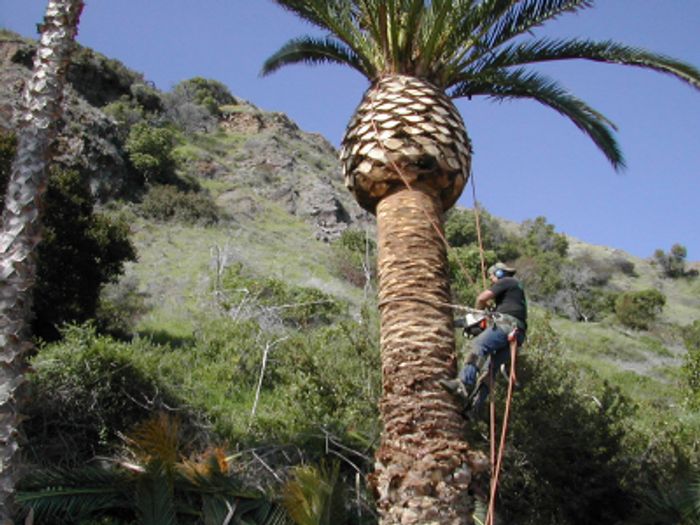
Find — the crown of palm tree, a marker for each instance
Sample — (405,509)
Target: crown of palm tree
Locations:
(466,48)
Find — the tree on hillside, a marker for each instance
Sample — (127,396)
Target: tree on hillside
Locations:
(406,158)
(21,225)
(672,263)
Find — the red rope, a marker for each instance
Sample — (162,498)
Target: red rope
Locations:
(504,431)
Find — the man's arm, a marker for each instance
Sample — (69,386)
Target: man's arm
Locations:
(484,298)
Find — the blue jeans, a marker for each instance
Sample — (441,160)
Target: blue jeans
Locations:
(491,344)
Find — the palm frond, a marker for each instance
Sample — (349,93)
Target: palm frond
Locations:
(155,499)
(309,50)
(546,50)
(517,84)
(340,19)
(500,25)
(80,492)
(315,496)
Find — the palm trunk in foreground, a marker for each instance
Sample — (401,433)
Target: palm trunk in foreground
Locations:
(406,158)
(21,226)
(424,466)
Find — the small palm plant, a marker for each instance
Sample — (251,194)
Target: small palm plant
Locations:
(151,483)
(406,158)
(316,495)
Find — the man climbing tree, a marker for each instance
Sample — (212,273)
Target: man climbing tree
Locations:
(406,158)
(509,324)
(21,225)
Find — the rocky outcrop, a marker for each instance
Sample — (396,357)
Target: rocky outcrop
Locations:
(88,140)
(264,154)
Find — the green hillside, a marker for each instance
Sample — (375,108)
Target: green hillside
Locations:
(249,314)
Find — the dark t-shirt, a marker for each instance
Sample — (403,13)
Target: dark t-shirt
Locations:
(510,298)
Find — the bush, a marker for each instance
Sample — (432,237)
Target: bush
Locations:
(540,237)
(465,272)
(460,231)
(639,309)
(672,263)
(168,203)
(81,252)
(273,302)
(559,420)
(691,363)
(150,151)
(84,391)
(193,105)
(355,257)
(8,147)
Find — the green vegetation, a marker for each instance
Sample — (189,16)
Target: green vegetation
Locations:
(639,309)
(672,264)
(80,253)
(150,482)
(150,151)
(691,363)
(168,203)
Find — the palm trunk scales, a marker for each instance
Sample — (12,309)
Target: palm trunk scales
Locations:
(21,227)
(406,158)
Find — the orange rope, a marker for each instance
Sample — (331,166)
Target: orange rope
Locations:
(490,516)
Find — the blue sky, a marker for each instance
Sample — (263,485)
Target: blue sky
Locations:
(529,161)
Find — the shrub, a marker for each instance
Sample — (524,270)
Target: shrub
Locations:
(168,203)
(205,92)
(465,272)
(355,257)
(672,263)
(150,151)
(558,419)
(193,105)
(8,147)
(540,237)
(84,391)
(460,231)
(638,309)
(691,363)
(273,302)
(81,252)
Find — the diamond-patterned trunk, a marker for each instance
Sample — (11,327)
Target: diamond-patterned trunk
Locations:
(405,130)
(406,158)
(21,227)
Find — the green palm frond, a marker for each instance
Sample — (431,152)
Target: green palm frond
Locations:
(467,48)
(506,20)
(310,50)
(155,498)
(81,492)
(517,84)
(546,50)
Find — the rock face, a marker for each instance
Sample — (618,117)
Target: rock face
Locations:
(259,153)
(88,140)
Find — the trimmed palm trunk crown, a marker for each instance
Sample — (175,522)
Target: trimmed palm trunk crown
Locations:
(21,227)
(406,158)
(405,130)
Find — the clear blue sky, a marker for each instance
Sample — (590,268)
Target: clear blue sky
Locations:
(529,161)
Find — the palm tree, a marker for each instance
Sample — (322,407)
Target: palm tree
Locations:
(406,158)
(21,224)
(151,483)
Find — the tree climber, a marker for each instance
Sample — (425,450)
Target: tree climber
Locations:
(509,322)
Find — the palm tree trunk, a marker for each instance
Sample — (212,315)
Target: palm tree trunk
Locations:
(21,226)
(423,466)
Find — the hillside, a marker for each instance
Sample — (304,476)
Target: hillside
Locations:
(245,215)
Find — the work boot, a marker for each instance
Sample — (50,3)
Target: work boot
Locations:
(456,388)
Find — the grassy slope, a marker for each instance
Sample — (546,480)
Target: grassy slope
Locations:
(177,271)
